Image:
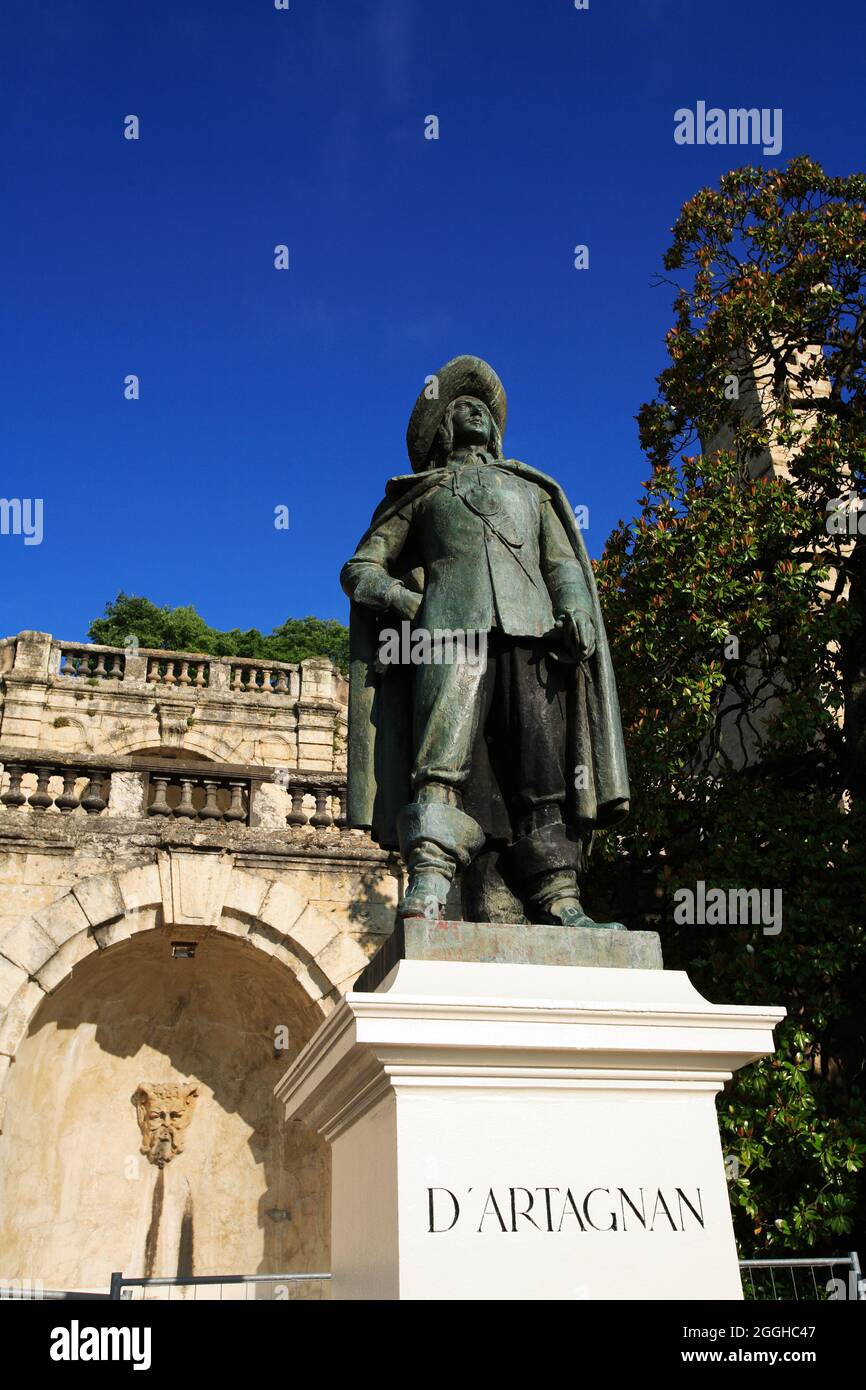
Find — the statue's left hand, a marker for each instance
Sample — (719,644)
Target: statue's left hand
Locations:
(578,631)
(403,601)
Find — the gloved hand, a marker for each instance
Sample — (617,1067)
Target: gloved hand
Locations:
(577,630)
(405,602)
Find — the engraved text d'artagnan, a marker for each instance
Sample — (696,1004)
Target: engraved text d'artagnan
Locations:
(560,1209)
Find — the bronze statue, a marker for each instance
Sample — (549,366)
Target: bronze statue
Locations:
(503,765)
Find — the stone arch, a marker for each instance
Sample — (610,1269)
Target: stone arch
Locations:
(196,742)
(80,1194)
(193,891)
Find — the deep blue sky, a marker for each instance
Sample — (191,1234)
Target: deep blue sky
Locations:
(305,127)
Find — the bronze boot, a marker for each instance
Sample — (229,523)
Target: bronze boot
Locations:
(435,838)
(544,861)
(431,872)
(555,896)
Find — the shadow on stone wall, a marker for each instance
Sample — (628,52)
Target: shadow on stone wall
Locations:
(248,1193)
(373,906)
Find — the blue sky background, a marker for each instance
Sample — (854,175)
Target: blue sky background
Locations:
(306,127)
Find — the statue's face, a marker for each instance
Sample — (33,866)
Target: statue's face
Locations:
(164,1112)
(471,422)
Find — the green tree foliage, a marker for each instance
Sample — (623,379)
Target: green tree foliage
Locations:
(736,625)
(183,629)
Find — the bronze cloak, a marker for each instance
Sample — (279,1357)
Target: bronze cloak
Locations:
(380,703)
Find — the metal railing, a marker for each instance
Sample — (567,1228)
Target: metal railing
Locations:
(768,1281)
(771,1280)
(33,1291)
(241,1287)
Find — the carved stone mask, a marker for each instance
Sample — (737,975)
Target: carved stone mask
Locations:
(164,1113)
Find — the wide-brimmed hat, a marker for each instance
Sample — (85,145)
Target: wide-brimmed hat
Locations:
(462,376)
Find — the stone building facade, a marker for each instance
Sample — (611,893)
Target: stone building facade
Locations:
(180,907)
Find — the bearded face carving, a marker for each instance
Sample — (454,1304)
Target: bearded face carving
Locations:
(164,1113)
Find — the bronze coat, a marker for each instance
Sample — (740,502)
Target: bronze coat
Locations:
(380,703)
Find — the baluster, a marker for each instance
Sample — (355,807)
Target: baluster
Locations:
(237,674)
(99,668)
(297,815)
(67,800)
(266,680)
(159,801)
(199,675)
(183,678)
(94,800)
(14,797)
(237,810)
(42,798)
(321,817)
(282,685)
(168,676)
(185,806)
(340,822)
(210,810)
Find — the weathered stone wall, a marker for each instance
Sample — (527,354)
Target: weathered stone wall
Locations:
(339,873)
(93,1003)
(246,1194)
(291,715)
(98,887)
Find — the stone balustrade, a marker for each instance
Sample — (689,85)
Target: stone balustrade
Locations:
(210,794)
(239,675)
(204,792)
(43,784)
(76,698)
(181,671)
(260,678)
(153,666)
(317,800)
(92,663)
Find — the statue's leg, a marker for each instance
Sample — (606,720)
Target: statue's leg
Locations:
(545,861)
(436,836)
(546,857)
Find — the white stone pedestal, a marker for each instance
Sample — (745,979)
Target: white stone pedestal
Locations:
(527,1132)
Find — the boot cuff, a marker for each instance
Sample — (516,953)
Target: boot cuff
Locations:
(450,829)
(545,849)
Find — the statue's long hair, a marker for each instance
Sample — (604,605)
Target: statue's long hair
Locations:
(443,444)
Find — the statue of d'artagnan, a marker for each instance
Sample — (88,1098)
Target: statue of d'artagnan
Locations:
(497,739)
